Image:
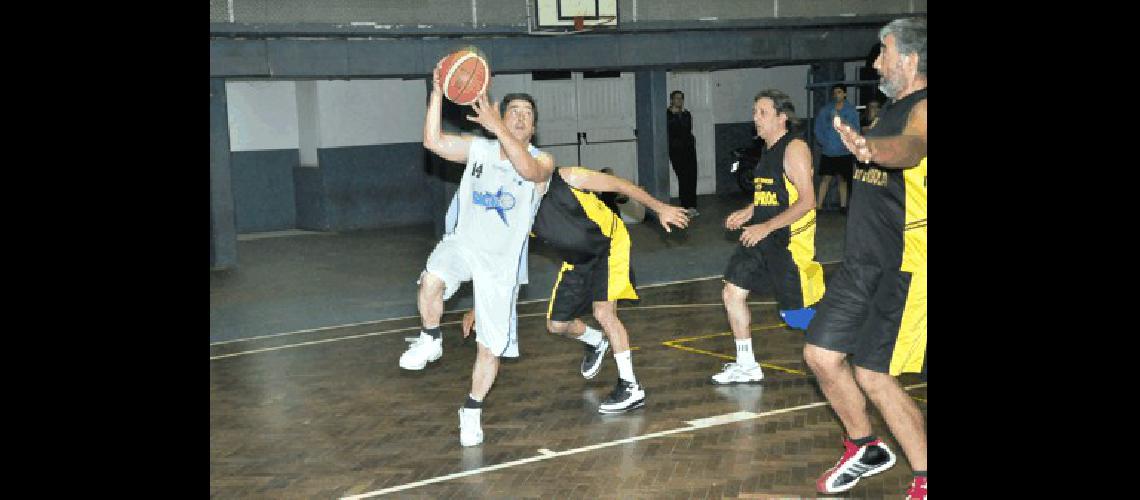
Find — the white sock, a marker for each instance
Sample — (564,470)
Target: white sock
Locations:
(744,356)
(591,336)
(625,365)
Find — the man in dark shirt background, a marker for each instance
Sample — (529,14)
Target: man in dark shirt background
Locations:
(683,151)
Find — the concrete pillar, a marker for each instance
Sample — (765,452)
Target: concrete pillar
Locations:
(652,135)
(223,235)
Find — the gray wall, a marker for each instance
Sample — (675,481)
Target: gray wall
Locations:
(375,186)
(364,187)
(497,12)
(262,183)
(515,12)
(356,187)
(367,163)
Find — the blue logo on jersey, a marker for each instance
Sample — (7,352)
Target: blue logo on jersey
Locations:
(499,202)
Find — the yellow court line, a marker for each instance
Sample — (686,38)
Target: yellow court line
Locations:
(675,343)
(722,334)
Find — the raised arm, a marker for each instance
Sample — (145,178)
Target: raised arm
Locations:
(590,180)
(797,166)
(531,168)
(449,147)
(899,151)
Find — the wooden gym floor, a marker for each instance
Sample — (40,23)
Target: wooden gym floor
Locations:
(327,413)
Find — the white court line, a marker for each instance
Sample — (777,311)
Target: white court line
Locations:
(311,330)
(416,328)
(302,344)
(727,418)
(703,423)
(280,234)
(528,301)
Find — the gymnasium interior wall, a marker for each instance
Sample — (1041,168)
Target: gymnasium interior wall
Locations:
(479,13)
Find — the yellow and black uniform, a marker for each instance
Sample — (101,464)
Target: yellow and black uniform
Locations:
(785,259)
(875,306)
(594,246)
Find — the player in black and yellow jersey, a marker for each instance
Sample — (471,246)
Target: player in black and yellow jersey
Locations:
(595,248)
(873,316)
(777,248)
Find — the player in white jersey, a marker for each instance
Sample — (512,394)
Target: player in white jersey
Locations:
(502,186)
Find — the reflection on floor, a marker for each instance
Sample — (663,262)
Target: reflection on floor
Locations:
(329,414)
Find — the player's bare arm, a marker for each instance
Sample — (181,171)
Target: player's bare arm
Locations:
(449,147)
(591,180)
(900,151)
(531,168)
(468,322)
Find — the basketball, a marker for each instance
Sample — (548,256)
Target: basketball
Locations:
(464,76)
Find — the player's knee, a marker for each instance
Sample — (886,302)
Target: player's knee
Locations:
(871,381)
(733,294)
(822,360)
(431,285)
(605,312)
(557,326)
(485,354)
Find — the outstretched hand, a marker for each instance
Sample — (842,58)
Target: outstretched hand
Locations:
(854,142)
(675,216)
(487,115)
(468,323)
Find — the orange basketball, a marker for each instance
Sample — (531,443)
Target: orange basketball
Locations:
(464,76)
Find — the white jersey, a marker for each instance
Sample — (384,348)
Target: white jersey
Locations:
(496,209)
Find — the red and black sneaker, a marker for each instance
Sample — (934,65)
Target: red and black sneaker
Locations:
(857,462)
(917,490)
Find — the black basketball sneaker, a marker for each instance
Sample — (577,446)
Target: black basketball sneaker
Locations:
(592,359)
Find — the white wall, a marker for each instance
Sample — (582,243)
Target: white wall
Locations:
(262,115)
(312,114)
(368,112)
(734,90)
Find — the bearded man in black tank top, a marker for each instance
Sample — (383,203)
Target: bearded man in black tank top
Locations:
(871,324)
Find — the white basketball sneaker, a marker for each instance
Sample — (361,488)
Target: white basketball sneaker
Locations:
(423,350)
(470,433)
(738,374)
(625,396)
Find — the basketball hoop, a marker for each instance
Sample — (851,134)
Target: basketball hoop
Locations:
(579,24)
